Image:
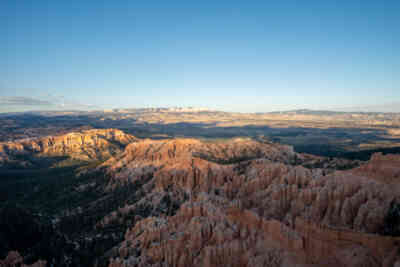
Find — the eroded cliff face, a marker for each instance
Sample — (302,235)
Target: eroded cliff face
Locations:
(183,153)
(261,209)
(383,168)
(239,202)
(85,145)
(209,231)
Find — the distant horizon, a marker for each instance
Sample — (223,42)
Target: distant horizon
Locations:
(27,104)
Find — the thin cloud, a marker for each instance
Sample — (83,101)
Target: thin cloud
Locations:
(47,102)
(23,101)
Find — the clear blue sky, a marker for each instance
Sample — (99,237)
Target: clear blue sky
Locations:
(231,55)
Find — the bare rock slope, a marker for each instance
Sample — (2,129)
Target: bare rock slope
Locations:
(238,202)
(85,145)
(246,203)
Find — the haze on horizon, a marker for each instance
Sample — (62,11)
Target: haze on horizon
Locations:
(253,56)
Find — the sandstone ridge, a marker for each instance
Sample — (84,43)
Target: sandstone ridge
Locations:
(85,145)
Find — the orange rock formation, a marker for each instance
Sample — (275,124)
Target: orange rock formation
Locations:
(245,203)
(86,145)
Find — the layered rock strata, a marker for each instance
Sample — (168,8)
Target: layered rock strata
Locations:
(262,209)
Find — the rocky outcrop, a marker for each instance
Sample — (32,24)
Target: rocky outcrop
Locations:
(200,234)
(149,155)
(383,168)
(261,210)
(270,187)
(210,231)
(238,202)
(85,145)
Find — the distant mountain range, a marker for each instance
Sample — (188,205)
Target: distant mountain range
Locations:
(308,112)
(328,112)
(60,103)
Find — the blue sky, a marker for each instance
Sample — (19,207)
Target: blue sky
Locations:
(231,55)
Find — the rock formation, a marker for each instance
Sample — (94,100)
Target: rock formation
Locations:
(237,202)
(85,145)
(383,168)
(245,203)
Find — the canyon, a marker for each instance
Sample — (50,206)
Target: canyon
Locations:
(192,202)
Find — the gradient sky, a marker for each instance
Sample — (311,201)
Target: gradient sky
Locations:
(230,55)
